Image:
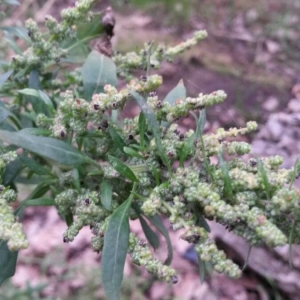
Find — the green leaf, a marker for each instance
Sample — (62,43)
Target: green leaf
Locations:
(149,233)
(121,168)
(5,76)
(156,221)
(86,31)
(189,143)
(35,131)
(203,223)
(106,194)
(177,93)
(132,152)
(226,178)
(142,129)
(37,94)
(156,175)
(95,173)
(149,58)
(90,29)
(206,161)
(264,176)
(11,171)
(32,95)
(34,80)
(7,127)
(51,148)
(114,115)
(27,119)
(46,98)
(4,114)
(116,138)
(76,179)
(201,122)
(97,71)
(34,166)
(13,45)
(8,260)
(20,32)
(40,190)
(187,148)
(38,202)
(150,116)
(35,179)
(114,250)
(4,63)
(12,2)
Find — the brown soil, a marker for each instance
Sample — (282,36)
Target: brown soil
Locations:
(220,63)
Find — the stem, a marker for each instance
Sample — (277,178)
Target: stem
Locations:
(133,191)
(247,258)
(148,59)
(208,170)
(114,115)
(79,143)
(70,138)
(16,122)
(294,173)
(138,196)
(291,238)
(156,176)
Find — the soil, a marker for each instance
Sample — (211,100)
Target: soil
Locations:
(254,92)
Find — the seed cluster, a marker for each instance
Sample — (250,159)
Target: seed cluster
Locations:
(46,47)
(246,205)
(253,198)
(132,60)
(141,255)
(11,230)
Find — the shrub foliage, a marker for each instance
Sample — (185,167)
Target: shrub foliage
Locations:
(62,130)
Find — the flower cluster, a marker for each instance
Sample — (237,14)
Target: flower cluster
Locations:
(136,158)
(132,60)
(141,255)
(46,48)
(184,106)
(232,196)
(209,252)
(74,114)
(11,230)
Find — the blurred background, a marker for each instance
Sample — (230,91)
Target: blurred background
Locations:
(253,53)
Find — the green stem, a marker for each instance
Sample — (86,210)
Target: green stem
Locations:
(79,143)
(207,167)
(138,196)
(149,59)
(16,122)
(70,138)
(133,191)
(291,239)
(294,173)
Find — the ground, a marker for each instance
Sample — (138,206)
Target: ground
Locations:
(253,55)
